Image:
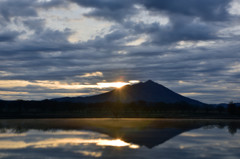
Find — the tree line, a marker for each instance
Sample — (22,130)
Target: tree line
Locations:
(50,108)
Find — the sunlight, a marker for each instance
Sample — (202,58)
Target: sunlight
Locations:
(116,143)
(134,81)
(112,84)
(137,42)
(64,85)
(57,86)
(57,142)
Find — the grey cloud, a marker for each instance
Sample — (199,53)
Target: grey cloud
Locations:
(14,8)
(116,15)
(9,36)
(185,31)
(109,10)
(37,24)
(119,10)
(35,89)
(54,35)
(204,9)
(25,8)
(46,41)
(111,41)
(180,29)
(52,4)
(189,20)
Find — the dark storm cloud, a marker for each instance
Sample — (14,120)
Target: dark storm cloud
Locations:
(43,39)
(209,10)
(8,36)
(11,8)
(25,8)
(109,10)
(118,10)
(46,41)
(178,30)
(183,23)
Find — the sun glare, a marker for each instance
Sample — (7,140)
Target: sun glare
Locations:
(112,84)
(116,143)
(116,84)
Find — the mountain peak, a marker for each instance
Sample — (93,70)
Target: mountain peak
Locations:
(149,81)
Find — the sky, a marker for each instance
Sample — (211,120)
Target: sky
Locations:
(56,48)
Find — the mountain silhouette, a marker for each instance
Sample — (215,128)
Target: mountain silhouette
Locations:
(148,91)
(142,132)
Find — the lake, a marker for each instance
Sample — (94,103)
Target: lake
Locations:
(119,138)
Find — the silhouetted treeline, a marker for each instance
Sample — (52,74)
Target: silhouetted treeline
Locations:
(49,108)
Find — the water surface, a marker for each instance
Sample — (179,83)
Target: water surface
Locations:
(119,138)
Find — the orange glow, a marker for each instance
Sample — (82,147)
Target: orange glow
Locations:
(115,143)
(52,143)
(112,84)
(63,85)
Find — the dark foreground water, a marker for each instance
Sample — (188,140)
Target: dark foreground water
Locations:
(119,138)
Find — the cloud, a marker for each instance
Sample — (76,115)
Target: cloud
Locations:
(204,9)
(35,24)
(118,11)
(93,74)
(25,8)
(8,36)
(186,23)
(108,10)
(178,30)
(166,41)
(11,8)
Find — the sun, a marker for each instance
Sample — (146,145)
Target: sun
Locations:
(112,84)
(120,84)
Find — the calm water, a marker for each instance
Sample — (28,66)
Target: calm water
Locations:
(119,138)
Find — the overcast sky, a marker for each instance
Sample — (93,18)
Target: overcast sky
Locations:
(53,48)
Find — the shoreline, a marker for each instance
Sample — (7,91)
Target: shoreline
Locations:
(102,118)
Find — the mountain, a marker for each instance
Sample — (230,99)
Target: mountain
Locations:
(148,91)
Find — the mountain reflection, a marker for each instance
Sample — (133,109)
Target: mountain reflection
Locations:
(131,133)
(118,138)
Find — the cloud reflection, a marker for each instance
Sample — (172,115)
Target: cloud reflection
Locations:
(90,153)
(84,143)
(61,139)
(76,141)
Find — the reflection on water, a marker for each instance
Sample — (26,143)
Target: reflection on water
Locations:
(115,143)
(119,138)
(78,141)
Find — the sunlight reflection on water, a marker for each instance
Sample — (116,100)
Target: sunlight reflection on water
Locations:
(162,139)
(46,140)
(78,142)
